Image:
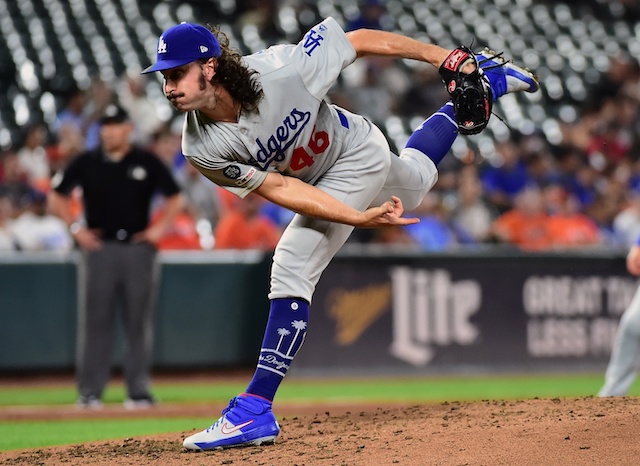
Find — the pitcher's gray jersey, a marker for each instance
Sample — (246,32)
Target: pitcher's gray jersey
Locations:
(295,131)
(299,134)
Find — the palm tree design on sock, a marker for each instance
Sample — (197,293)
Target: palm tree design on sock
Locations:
(299,325)
(274,360)
(283,332)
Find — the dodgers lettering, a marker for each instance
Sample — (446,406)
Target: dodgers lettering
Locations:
(284,136)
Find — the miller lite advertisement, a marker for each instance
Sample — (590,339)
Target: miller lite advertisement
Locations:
(457,314)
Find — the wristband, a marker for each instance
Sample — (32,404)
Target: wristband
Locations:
(74,228)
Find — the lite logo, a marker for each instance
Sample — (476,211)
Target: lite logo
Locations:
(429,309)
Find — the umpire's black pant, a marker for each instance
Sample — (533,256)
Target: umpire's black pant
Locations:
(124,274)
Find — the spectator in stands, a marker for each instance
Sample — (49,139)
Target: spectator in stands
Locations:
(3,155)
(33,157)
(473,215)
(608,146)
(263,16)
(576,176)
(603,211)
(541,167)
(372,98)
(245,228)
(509,176)
(69,143)
(118,182)
(7,240)
(182,233)
(201,195)
(278,214)
(36,229)
(526,224)
(424,94)
(374,84)
(611,83)
(73,112)
(14,180)
(132,95)
(626,223)
(165,143)
(372,15)
(99,96)
(568,227)
(433,232)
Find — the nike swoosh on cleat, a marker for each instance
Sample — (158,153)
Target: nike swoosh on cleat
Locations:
(226,429)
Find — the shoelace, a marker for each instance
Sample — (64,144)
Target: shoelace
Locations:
(495,65)
(232,404)
(499,64)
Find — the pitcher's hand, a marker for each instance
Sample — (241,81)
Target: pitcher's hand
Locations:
(388,214)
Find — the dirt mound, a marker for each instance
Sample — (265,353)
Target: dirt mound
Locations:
(585,431)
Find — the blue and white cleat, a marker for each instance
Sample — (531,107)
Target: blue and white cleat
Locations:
(248,420)
(504,76)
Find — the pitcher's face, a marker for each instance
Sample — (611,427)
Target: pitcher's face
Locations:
(186,86)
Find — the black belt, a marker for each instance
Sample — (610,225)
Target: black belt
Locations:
(121,236)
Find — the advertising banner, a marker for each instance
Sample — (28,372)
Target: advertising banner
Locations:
(456,313)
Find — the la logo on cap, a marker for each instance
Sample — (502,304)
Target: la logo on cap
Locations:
(182,44)
(162,46)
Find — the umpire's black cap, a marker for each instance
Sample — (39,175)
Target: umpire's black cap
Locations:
(114,114)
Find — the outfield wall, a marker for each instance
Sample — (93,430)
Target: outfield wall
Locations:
(211,311)
(374,311)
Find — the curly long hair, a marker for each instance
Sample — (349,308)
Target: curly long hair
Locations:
(233,74)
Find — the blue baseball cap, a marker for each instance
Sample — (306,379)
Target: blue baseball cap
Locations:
(182,44)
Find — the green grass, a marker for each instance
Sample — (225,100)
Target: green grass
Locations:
(28,434)
(18,435)
(404,389)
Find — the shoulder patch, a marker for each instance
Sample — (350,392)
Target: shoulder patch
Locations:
(247,176)
(232,172)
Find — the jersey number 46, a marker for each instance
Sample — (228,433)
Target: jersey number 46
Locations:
(317,145)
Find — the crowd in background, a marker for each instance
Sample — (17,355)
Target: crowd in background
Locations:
(581,193)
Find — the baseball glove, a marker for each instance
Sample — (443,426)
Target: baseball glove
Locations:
(470,93)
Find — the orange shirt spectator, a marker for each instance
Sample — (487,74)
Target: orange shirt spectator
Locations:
(569,227)
(526,225)
(182,234)
(244,228)
(573,230)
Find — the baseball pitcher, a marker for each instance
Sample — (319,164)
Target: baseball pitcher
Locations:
(260,123)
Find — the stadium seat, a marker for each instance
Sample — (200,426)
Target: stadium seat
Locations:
(50,46)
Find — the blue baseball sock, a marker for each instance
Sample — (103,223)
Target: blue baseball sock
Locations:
(436,134)
(283,337)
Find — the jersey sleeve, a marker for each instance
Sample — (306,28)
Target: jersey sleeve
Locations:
(321,55)
(211,153)
(237,178)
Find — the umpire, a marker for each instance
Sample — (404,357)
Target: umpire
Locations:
(119,182)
